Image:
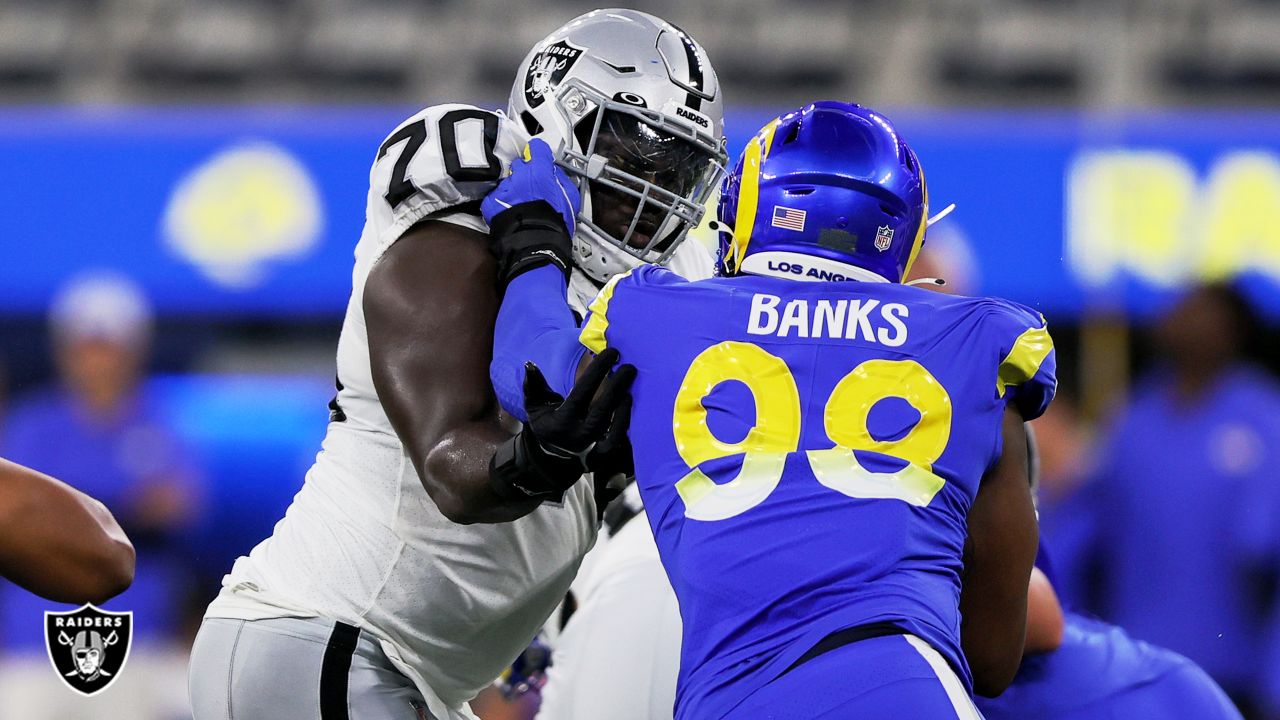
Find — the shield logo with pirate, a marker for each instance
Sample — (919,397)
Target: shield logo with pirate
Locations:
(88,647)
(547,69)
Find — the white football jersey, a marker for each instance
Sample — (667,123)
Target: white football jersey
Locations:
(362,541)
(619,655)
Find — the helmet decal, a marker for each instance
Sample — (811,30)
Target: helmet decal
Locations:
(691,77)
(918,242)
(548,68)
(749,189)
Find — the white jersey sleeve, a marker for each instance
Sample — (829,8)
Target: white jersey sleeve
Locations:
(438,164)
(443,160)
(619,655)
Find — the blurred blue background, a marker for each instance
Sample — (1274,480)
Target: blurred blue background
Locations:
(161,195)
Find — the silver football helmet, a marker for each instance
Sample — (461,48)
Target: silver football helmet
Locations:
(632,109)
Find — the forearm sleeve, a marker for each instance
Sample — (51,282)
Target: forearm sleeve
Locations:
(535,325)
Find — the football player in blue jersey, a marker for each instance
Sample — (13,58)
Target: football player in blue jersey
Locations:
(1097,671)
(1090,670)
(834,471)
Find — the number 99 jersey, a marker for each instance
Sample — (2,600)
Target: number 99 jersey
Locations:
(808,453)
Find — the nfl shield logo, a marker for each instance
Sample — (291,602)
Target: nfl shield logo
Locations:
(884,237)
(88,647)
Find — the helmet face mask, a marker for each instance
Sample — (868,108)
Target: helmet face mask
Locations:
(644,177)
(630,106)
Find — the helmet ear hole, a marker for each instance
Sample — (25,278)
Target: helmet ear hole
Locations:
(531,124)
(910,161)
(585,128)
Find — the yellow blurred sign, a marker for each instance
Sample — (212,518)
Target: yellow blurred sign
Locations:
(245,206)
(1147,214)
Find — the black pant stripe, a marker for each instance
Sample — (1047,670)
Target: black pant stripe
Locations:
(334,671)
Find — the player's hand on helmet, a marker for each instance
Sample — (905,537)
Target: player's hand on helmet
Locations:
(535,178)
(532,214)
(558,443)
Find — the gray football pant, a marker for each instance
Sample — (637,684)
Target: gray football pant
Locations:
(296,669)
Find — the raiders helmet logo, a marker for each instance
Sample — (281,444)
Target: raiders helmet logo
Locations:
(547,69)
(88,647)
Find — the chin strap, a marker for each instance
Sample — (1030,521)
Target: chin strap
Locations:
(927,281)
(941,214)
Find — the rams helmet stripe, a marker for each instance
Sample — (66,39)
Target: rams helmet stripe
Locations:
(749,192)
(924,225)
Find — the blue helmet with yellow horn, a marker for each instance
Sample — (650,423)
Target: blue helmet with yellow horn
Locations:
(827,192)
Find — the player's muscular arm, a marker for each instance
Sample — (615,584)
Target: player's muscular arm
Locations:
(429,306)
(999,554)
(58,542)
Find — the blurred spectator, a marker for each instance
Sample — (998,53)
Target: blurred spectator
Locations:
(97,431)
(1173,534)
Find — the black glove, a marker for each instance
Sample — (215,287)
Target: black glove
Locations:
(556,445)
(611,462)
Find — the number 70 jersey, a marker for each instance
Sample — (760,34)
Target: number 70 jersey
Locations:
(808,454)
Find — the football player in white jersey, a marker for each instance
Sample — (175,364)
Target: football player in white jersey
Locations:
(428,545)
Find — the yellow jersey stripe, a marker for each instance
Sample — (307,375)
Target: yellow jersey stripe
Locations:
(592,335)
(1024,360)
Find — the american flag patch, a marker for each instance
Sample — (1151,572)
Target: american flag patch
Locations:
(788,218)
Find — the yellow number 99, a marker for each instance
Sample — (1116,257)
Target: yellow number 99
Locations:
(777,431)
(846,424)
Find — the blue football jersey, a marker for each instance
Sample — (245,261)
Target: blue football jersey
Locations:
(808,453)
(1099,671)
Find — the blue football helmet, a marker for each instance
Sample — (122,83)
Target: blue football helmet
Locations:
(827,192)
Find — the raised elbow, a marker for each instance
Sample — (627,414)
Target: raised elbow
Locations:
(457,481)
(434,474)
(1045,620)
(116,570)
(95,574)
(102,573)
(110,559)
(990,688)
(455,510)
